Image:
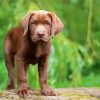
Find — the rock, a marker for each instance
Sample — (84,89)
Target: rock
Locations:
(62,94)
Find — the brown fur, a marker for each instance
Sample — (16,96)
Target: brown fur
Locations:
(29,43)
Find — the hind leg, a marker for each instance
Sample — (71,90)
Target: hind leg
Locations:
(9,61)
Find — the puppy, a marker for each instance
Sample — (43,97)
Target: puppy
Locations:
(29,43)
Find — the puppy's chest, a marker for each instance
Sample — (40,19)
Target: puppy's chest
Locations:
(32,56)
(38,51)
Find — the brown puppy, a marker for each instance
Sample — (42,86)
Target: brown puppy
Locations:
(29,43)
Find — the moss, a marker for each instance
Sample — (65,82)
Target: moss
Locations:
(1,92)
(76,96)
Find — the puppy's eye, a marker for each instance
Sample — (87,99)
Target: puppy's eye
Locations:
(47,23)
(34,23)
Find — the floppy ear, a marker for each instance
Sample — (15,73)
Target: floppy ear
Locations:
(24,22)
(57,25)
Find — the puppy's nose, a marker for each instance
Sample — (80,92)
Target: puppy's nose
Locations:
(40,34)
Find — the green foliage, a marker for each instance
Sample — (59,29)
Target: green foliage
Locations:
(72,62)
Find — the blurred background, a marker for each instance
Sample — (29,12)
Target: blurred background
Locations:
(75,56)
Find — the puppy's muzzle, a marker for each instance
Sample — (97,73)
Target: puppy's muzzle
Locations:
(40,34)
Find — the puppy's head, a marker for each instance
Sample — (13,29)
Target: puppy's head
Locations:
(41,25)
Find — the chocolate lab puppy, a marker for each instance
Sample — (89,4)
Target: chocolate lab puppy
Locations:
(29,43)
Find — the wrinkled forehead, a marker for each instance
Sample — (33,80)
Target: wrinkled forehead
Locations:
(40,16)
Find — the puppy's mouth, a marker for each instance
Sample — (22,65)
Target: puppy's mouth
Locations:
(40,39)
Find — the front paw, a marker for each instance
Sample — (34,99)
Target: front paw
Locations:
(10,85)
(48,92)
(22,90)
